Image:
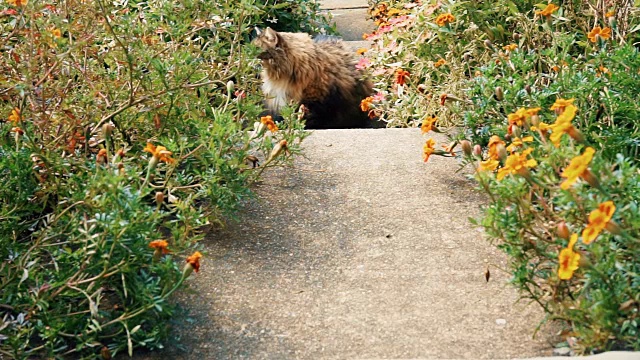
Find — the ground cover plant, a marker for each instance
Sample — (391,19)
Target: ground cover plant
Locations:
(125,127)
(538,99)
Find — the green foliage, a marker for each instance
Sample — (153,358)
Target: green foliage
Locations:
(495,72)
(122,123)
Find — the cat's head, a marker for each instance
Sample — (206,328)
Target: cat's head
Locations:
(271,44)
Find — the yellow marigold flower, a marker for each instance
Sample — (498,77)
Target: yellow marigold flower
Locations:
(561,104)
(563,125)
(489,165)
(427,124)
(393,12)
(598,31)
(521,115)
(160,245)
(510,47)
(428,149)
(577,168)
(160,153)
(361,51)
(444,19)
(439,63)
(56,32)
(568,260)
(610,13)
(17,2)
(365,104)
(268,121)
(494,141)
(14,117)
(598,220)
(517,164)
(517,142)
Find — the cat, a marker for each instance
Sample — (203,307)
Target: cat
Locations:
(320,74)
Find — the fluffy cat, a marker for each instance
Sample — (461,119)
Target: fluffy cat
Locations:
(319,74)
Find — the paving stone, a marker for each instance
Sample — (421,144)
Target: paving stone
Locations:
(352,23)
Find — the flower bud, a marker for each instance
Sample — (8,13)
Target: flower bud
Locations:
(588,176)
(527,88)
(477,150)
(516,37)
(107,129)
(230,86)
(613,228)
(499,93)
(259,128)
(515,130)
(584,261)
(101,158)
(159,198)
(277,150)
(502,152)
(563,230)
(488,44)
(576,134)
(466,147)
(422,89)
(535,120)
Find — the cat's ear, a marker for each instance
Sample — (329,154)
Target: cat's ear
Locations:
(258,31)
(271,37)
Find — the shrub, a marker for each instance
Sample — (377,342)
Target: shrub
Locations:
(545,101)
(126,127)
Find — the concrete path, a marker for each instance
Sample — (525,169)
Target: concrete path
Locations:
(360,251)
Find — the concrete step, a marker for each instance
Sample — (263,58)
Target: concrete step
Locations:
(343,4)
(352,23)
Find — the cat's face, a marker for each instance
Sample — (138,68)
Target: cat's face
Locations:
(271,44)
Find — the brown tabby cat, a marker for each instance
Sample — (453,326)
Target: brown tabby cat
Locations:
(319,74)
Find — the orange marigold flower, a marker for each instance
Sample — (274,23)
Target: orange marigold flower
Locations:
(194,261)
(17,130)
(17,2)
(268,121)
(14,117)
(548,10)
(568,260)
(439,63)
(444,19)
(361,51)
(56,32)
(598,220)
(428,149)
(160,245)
(427,124)
(401,76)
(510,47)
(517,142)
(494,141)
(598,31)
(365,104)
(577,168)
(160,153)
(517,164)
(443,99)
(610,13)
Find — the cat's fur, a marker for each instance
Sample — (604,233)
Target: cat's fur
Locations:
(319,74)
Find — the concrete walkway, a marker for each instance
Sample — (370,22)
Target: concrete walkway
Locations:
(360,251)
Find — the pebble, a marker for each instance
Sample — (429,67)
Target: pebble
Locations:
(501,322)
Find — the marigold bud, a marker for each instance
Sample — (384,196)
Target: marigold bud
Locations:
(499,93)
(259,127)
(501,150)
(159,197)
(277,150)
(477,150)
(101,158)
(515,130)
(584,261)
(613,228)
(466,147)
(588,176)
(107,129)
(488,44)
(230,86)
(563,230)
(516,37)
(535,120)
(422,89)
(576,134)
(527,88)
